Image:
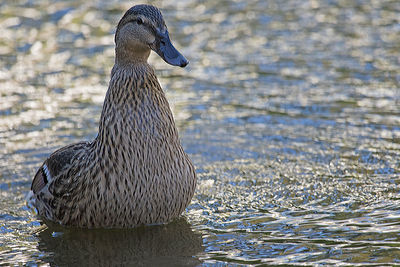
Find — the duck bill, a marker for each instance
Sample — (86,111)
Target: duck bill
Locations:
(164,48)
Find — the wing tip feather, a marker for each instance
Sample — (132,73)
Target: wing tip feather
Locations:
(41,179)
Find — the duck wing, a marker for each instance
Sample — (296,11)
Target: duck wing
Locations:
(55,164)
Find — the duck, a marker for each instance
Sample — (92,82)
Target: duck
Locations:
(135,171)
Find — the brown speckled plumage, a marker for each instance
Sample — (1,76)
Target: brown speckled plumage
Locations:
(135,171)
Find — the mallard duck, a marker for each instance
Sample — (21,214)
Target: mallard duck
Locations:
(135,172)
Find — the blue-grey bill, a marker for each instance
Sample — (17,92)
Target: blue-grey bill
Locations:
(168,52)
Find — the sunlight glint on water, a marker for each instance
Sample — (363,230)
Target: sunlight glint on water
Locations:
(289,110)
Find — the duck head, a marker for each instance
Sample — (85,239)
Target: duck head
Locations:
(142,29)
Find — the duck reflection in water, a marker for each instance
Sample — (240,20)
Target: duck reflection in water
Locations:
(134,173)
(173,244)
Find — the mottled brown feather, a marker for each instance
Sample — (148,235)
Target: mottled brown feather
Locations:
(135,171)
(55,163)
(39,181)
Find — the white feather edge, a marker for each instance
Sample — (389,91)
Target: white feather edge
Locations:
(47,173)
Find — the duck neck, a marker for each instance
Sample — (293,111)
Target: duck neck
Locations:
(129,56)
(135,111)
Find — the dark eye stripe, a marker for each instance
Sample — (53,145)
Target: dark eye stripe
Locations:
(146,24)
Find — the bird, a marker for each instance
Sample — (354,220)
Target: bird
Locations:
(135,171)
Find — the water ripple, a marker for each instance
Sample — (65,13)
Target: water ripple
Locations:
(289,110)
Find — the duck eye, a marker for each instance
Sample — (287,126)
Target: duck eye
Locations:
(139,21)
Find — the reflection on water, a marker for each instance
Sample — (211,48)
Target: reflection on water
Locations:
(173,245)
(290,111)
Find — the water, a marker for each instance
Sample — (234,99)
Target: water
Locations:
(290,111)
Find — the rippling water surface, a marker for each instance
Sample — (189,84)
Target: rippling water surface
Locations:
(290,111)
